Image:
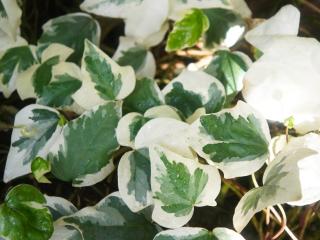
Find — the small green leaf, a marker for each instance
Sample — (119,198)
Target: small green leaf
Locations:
(188,30)
(134,57)
(15,59)
(107,84)
(24,216)
(229,68)
(145,95)
(43,75)
(58,93)
(220,22)
(289,122)
(57,30)
(39,168)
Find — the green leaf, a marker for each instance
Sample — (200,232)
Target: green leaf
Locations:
(134,57)
(145,95)
(190,233)
(220,22)
(229,68)
(111,217)
(179,184)
(43,75)
(187,31)
(236,138)
(58,93)
(193,90)
(23,215)
(37,127)
(83,153)
(134,173)
(57,30)
(39,168)
(106,82)
(15,59)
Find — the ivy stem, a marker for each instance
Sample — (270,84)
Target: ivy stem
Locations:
(283,222)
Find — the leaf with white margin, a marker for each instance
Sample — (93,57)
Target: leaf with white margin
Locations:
(83,153)
(103,79)
(164,111)
(286,179)
(65,233)
(192,90)
(225,27)
(281,75)
(128,127)
(22,204)
(192,233)
(112,218)
(10,20)
(55,49)
(178,184)
(145,95)
(167,132)
(188,30)
(36,130)
(12,62)
(84,27)
(284,23)
(234,140)
(229,68)
(59,207)
(139,57)
(134,173)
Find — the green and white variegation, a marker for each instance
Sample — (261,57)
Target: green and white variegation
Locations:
(36,130)
(148,23)
(164,111)
(10,20)
(83,152)
(178,184)
(234,140)
(103,79)
(57,30)
(167,132)
(192,90)
(129,53)
(110,217)
(134,173)
(292,177)
(59,207)
(13,62)
(193,233)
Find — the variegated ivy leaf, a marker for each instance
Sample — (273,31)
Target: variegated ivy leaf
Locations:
(12,62)
(36,129)
(54,49)
(112,218)
(39,167)
(10,14)
(129,53)
(193,90)
(134,173)
(164,111)
(128,128)
(234,140)
(189,233)
(284,23)
(187,31)
(229,68)
(225,27)
(140,26)
(167,132)
(145,95)
(59,207)
(103,79)
(83,153)
(178,184)
(291,177)
(57,30)
(23,215)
